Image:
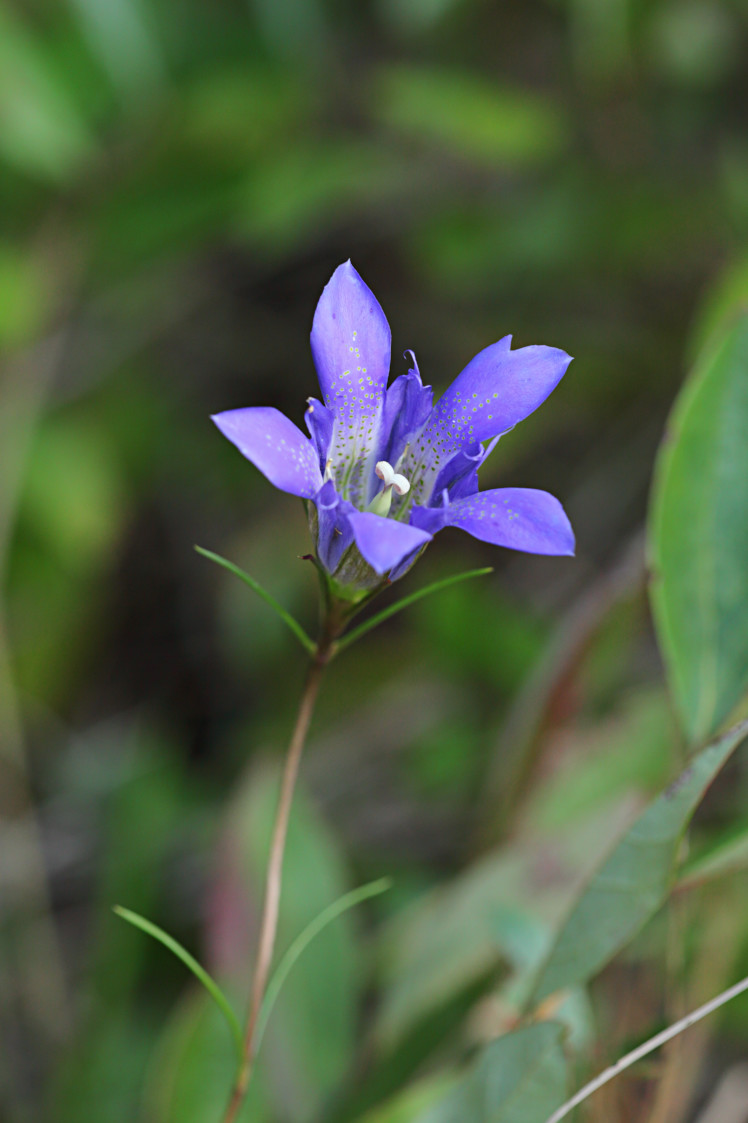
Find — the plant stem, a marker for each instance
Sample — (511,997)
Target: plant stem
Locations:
(648,1047)
(269,922)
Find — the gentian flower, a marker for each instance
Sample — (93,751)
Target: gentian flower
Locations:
(384,468)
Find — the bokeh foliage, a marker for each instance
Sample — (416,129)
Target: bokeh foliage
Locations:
(177,182)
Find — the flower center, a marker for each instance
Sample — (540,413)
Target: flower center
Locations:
(393,481)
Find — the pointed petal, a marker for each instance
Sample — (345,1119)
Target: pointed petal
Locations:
(319,421)
(351,349)
(384,543)
(350,341)
(520,518)
(498,388)
(407,406)
(274,445)
(334,533)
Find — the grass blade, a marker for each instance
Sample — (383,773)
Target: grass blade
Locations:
(306,642)
(385,614)
(343,904)
(199,972)
(649,1047)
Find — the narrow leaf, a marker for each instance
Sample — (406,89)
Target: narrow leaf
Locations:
(699,538)
(348,901)
(189,961)
(649,1047)
(726,857)
(519,1078)
(635,878)
(306,642)
(385,614)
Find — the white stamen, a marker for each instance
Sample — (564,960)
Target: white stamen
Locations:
(385,471)
(393,481)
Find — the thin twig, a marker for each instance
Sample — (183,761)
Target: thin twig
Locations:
(647,1048)
(269,922)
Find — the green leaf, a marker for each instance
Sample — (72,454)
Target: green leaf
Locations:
(519,1078)
(726,857)
(385,614)
(197,970)
(699,538)
(497,911)
(635,878)
(192,1071)
(306,642)
(347,901)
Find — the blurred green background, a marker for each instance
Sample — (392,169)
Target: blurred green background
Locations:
(177,183)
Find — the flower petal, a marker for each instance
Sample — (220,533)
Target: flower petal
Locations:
(520,518)
(334,533)
(384,543)
(319,422)
(350,341)
(407,406)
(498,388)
(351,349)
(274,445)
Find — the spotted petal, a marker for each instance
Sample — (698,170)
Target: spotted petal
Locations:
(350,341)
(520,518)
(351,349)
(384,543)
(498,388)
(274,445)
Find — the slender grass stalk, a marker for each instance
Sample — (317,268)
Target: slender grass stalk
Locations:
(647,1048)
(302,941)
(189,961)
(273,877)
(290,621)
(398,606)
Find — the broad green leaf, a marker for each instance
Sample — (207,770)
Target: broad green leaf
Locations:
(724,303)
(635,878)
(699,538)
(519,1078)
(501,910)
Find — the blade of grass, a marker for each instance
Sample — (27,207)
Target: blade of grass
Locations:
(306,642)
(189,961)
(385,614)
(648,1047)
(343,904)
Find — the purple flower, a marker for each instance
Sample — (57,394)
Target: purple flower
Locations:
(384,468)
